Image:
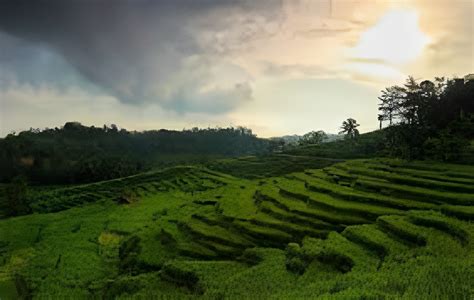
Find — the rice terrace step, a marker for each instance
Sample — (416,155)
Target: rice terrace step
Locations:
(189,226)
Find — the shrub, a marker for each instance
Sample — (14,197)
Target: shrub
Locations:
(251,256)
(16,197)
(296,261)
(166,238)
(127,196)
(182,277)
(128,253)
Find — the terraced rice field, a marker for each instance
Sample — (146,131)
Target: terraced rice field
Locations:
(373,229)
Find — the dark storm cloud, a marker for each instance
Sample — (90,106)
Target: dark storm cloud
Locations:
(26,63)
(137,50)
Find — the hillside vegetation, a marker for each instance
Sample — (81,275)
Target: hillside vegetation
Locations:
(368,228)
(76,154)
(426,120)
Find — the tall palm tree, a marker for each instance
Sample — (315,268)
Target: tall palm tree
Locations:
(349,128)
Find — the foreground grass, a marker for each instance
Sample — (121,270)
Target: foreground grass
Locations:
(358,229)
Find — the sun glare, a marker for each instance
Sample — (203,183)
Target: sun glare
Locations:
(395,39)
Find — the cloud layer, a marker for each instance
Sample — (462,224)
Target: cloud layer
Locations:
(140,51)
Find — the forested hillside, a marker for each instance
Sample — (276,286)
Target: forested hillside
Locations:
(418,120)
(75,153)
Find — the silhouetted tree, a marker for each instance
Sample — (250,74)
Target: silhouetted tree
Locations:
(435,117)
(380,118)
(390,103)
(349,128)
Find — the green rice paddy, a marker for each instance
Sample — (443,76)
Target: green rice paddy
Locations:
(360,229)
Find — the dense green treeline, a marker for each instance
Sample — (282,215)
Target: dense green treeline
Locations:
(77,153)
(433,119)
(426,120)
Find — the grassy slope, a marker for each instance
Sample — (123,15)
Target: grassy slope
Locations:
(358,228)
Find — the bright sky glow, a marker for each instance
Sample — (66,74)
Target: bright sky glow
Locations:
(395,39)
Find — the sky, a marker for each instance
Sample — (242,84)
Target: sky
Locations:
(277,66)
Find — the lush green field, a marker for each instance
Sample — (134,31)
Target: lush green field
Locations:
(254,167)
(361,229)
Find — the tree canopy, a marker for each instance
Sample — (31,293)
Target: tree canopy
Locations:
(313,138)
(76,153)
(429,118)
(349,128)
